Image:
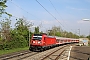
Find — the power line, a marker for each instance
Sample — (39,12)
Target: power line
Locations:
(57,12)
(22,8)
(42,6)
(55,9)
(48,12)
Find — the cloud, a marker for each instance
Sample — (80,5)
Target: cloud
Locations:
(79,9)
(49,22)
(81,21)
(45,23)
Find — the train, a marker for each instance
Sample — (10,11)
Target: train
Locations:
(41,42)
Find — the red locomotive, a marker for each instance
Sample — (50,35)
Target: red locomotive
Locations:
(42,41)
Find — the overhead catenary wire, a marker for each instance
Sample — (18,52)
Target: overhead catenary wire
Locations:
(33,15)
(55,9)
(58,12)
(48,12)
(42,6)
(23,9)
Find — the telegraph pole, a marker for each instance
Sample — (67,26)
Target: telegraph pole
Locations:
(79,32)
(29,37)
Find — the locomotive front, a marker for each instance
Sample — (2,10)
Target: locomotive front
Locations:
(36,42)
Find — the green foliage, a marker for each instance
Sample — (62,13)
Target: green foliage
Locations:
(88,37)
(5,29)
(36,30)
(2,8)
(18,40)
(14,38)
(57,31)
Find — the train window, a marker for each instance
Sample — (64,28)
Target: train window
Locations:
(37,38)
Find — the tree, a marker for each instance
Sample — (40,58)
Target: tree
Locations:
(88,37)
(37,30)
(2,8)
(5,29)
(22,29)
(55,31)
(5,33)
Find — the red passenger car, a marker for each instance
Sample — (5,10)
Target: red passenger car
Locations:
(42,41)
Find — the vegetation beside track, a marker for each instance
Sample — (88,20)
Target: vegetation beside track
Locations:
(18,37)
(2,52)
(89,43)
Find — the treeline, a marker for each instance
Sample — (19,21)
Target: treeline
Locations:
(57,31)
(17,37)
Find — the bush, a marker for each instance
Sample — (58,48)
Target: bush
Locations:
(1,46)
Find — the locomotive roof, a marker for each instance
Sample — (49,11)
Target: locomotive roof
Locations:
(37,34)
(51,36)
(40,34)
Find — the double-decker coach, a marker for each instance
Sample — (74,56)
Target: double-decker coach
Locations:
(42,41)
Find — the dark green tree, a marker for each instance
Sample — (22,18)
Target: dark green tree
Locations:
(22,29)
(88,37)
(36,30)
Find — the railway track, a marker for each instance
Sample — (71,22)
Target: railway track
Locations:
(18,55)
(51,54)
(57,53)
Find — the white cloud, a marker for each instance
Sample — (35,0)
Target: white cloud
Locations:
(81,21)
(49,22)
(79,9)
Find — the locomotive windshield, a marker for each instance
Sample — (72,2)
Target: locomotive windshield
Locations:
(37,37)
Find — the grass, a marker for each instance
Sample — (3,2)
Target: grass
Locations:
(89,45)
(2,52)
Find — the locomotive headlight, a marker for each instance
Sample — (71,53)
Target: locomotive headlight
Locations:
(33,41)
(39,42)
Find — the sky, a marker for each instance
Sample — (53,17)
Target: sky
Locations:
(68,14)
